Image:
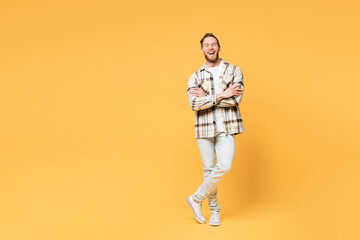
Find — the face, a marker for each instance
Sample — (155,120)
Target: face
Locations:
(210,49)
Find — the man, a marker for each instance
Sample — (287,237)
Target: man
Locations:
(214,92)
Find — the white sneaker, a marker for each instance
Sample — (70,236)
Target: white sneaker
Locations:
(196,208)
(215,218)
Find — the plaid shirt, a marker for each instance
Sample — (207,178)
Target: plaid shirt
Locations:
(204,107)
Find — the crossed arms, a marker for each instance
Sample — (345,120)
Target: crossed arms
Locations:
(230,97)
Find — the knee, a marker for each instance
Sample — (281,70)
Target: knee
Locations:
(225,169)
(209,167)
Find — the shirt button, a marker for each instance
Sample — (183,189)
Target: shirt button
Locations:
(212,88)
(213,121)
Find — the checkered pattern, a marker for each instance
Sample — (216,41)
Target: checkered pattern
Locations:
(204,107)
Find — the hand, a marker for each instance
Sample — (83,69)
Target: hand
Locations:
(197,92)
(233,90)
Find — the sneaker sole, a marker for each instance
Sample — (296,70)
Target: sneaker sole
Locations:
(196,217)
(214,223)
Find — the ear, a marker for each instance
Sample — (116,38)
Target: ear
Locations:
(219,49)
(201,50)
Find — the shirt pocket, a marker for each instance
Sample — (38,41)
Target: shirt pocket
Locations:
(206,86)
(227,80)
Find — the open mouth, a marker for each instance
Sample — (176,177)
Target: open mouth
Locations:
(211,53)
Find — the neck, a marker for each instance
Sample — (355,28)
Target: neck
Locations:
(213,64)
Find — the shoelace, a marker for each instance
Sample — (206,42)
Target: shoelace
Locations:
(212,212)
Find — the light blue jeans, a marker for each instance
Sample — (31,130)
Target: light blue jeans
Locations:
(213,173)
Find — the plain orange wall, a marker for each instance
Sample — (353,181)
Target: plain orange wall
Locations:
(97,136)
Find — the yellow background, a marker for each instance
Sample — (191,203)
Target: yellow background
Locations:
(97,135)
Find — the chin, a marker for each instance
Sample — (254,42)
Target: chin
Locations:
(212,60)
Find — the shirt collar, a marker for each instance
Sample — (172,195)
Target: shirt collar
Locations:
(203,67)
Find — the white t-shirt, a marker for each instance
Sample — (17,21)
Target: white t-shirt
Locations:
(215,71)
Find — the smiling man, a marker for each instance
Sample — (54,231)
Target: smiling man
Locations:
(215,92)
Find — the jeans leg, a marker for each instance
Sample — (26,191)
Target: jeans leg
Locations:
(225,150)
(208,159)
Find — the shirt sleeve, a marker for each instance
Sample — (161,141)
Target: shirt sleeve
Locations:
(234,100)
(199,103)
